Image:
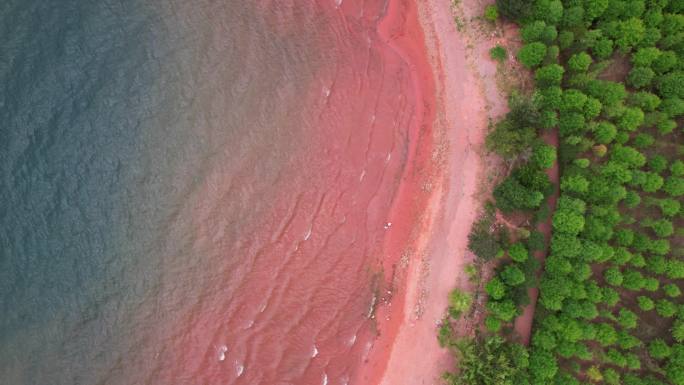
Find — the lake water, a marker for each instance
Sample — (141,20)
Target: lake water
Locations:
(195,192)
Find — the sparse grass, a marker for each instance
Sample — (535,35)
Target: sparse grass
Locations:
(498,53)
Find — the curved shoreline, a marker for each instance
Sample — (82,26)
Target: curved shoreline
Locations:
(465,98)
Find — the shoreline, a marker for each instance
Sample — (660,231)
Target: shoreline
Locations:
(465,98)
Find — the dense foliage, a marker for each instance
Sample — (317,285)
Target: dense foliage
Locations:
(609,77)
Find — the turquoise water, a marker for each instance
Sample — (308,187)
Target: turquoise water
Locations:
(193,192)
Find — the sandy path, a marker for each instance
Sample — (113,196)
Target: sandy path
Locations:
(523,324)
(467,98)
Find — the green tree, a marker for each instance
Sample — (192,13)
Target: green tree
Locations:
(510,195)
(613,276)
(678,330)
(495,288)
(658,349)
(518,252)
(661,227)
(568,221)
(532,54)
(665,308)
(512,275)
(671,290)
(633,280)
(513,9)
(543,156)
(643,57)
(674,186)
(640,77)
(604,132)
(645,303)
(627,319)
(549,75)
(543,365)
(677,168)
(606,334)
(579,62)
(631,119)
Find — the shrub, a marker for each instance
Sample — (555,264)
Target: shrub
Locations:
(491,13)
(532,54)
(565,39)
(594,374)
(606,334)
(658,349)
(498,53)
(488,359)
(459,302)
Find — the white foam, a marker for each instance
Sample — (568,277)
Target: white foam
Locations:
(363,174)
(389,156)
(315,352)
(326,91)
(352,340)
(338,3)
(307,235)
(325,379)
(239,369)
(222,352)
(388,225)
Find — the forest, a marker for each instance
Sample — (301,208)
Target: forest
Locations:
(609,86)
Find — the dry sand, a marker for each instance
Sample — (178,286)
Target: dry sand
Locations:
(467,99)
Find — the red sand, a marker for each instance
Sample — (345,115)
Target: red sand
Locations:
(466,97)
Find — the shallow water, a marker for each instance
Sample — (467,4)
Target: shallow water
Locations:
(194,192)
